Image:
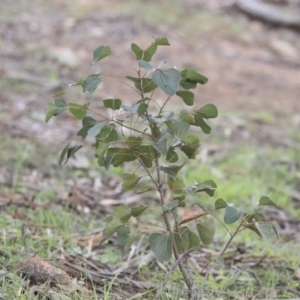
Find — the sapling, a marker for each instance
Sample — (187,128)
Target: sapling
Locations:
(158,143)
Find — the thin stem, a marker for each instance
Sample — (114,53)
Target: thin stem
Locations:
(107,78)
(127,62)
(164,105)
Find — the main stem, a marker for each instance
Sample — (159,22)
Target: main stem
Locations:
(182,269)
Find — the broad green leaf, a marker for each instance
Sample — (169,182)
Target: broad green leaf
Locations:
(161,245)
(149,52)
(69,151)
(206,230)
(232,215)
(108,134)
(100,53)
(134,141)
(162,41)
(145,85)
(266,201)
(87,123)
(52,109)
(208,111)
(186,96)
(142,109)
(172,156)
(265,229)
(136,211)
(181,239)
(61,103)
(100,151)
(208,186)
(79,82)
(195,76)
(160,146)
(167,80)
(194,240)
(111,227)
(122,213)
(123,234)
(145,65)
(145,55)
(77,110)
(171,170)
(114,104)
(130,181)
(137,51)
(91,83)
(146,153)
(220,203)
(93,131)
(202,124)
(190,146)
(117,156)
(63,153)
(176,185)
(180,128)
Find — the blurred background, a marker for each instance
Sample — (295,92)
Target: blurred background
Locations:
(249,50)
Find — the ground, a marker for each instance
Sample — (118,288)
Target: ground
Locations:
(253,70)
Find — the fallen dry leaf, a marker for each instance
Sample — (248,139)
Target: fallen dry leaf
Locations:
(192,212)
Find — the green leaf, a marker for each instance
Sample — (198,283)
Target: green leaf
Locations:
(206,230)
(149,52)
(136,211)
(266,201)
(195,76)
(180,128)
(130,181)
(123,235)
(70,151)
(134,141)
(146,153)
(232,215)
(202,124)
(176,185)
(94,130)
(61,103)
(172,156)
(161,245)
(160,146)
(171,170)
(145,65)
(91,83)
(181,239)
(117,156)
(208,111)
(87,123)
(142,109)
(265,229)
(111,227)
(108,134)
(194,240)
(100,53)
(52,109)
(145,55)
(167,80)
(100,151)
(77,110)
(161,41)
(208,186)
(114,104)
(145,85)
(186,96)
(190,146)
(220,203)
(122,213)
